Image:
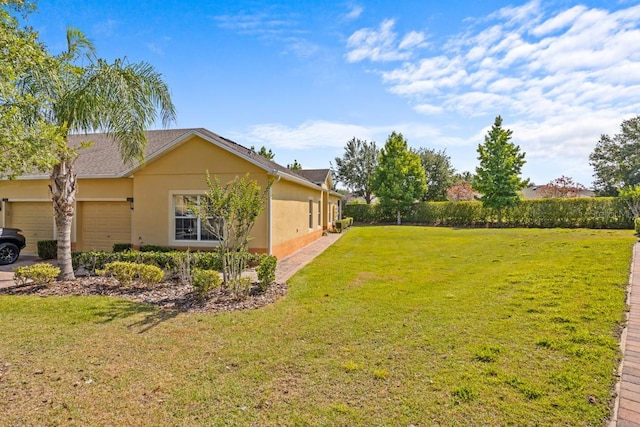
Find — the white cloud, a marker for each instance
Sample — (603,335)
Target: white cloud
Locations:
(354,13)
(320,133)
(381,45)
(562,75)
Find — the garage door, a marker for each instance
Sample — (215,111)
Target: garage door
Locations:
(35,219)
(105,223)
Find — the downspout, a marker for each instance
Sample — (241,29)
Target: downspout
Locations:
(270,214)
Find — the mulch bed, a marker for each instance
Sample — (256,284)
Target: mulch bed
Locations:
(166,295)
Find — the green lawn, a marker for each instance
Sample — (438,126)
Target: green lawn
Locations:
(391,326)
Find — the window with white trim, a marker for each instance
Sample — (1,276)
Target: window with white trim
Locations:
(310,213)
(188,225)
(319,213)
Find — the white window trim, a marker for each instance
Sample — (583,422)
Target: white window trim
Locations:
(172,223)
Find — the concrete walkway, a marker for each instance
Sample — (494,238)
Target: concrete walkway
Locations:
(626,412)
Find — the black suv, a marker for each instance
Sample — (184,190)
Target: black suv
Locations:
(11,243)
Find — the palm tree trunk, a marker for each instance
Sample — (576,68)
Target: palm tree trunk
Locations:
(63,194)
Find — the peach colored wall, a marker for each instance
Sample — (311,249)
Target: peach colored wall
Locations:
(290,204)
(182,171)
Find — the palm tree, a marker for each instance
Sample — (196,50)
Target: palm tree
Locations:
(87,94)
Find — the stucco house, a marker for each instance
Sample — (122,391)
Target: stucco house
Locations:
(145,204)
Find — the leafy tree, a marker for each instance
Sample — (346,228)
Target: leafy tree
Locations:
(356,167)
(439,173)
(616,160)
(295,166)
(27,141)
(631,196)
(562,187)
(399,179)
(498,176)
(267,154)
(229,212)
(87,94)
(460,191)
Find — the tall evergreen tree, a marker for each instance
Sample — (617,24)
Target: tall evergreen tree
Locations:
(616,160)
(356,167)
(399,179)
(439,173)
(498,176)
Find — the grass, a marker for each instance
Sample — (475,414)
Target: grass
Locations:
(390,326)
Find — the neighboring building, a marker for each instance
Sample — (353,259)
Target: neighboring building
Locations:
(146,204)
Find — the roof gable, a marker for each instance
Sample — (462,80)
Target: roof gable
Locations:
(102,158)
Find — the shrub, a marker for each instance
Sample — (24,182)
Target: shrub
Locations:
(154,248)
(48,249)
(121,247)
(126,272)
(41,274)
(267,271)
(636,225)
(203,281)
(343,224)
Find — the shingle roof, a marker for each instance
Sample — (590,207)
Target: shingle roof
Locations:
(102,159)
(317,176)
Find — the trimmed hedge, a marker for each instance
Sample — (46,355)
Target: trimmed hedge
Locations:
(599,212)
(169,261)
(47,249)
(343,224)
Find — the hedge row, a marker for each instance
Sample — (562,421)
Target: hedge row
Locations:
(170,261)
(600,212)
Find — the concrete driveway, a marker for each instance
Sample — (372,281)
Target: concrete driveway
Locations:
(6,271)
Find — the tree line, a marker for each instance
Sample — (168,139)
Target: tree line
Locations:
(399,176)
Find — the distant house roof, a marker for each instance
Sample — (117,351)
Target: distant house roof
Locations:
(102,158)
(317,176)
(538,192)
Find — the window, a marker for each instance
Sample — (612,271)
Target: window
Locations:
(188,226)
(310,213)
(319,213)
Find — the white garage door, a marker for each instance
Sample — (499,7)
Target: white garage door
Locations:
(35,219)
(105,223)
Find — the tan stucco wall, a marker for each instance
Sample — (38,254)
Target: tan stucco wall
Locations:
(182,171)
(290,205)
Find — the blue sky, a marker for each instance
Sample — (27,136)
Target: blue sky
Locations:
(304,77)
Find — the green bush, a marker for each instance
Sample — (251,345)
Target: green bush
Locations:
(343,224)
(155,248)
(127,272)
(267,271)
(121,247)
(636,225)
(47,249)
(203,281)
(41,274)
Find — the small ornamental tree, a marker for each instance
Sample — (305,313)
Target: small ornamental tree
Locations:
(631,196)
(399,179)
(229,213)
(498,176)
(460,191)
(562,187)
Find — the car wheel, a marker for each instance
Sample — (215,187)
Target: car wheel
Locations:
(8,253)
